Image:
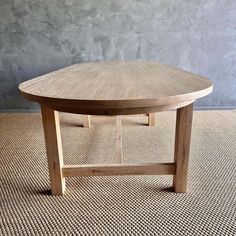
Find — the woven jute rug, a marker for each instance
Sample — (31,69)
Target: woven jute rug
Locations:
(121,205)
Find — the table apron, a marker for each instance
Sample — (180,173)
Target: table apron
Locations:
(117,111)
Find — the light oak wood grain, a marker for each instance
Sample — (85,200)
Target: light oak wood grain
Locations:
(182,147)
(54,149)
(117,88)
(119,169)
(105,88)
(87,121)
(118,149)
(116,111)
(152,119)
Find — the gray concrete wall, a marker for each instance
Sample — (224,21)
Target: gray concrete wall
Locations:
(39,36)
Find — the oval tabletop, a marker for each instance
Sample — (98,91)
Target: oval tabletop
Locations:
(116,88)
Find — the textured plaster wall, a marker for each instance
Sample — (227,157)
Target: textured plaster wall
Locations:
(39,36)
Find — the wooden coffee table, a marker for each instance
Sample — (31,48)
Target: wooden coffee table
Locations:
(116,88)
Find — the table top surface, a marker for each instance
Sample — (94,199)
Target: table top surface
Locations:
(116,84)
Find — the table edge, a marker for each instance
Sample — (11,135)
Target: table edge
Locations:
(107,106)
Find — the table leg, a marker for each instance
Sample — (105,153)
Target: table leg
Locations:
(151,119)
(182,147)
(52,135)
(87,121)
(118,151)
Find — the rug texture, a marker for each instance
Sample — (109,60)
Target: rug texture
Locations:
(118,205)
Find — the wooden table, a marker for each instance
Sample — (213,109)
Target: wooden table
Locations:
(116,88)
